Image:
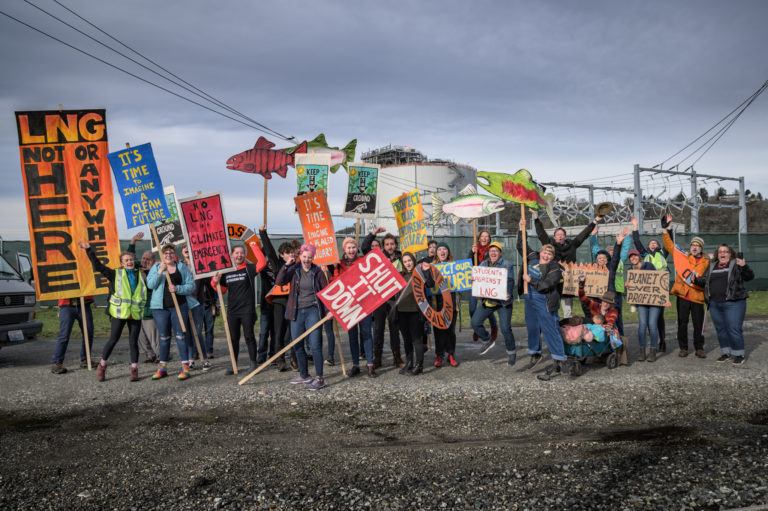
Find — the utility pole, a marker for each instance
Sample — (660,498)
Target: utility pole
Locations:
(694,203)
(638,200)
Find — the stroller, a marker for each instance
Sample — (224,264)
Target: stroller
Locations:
(580,344)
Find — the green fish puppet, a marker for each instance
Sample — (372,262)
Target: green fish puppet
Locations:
(518,187)
(339,157)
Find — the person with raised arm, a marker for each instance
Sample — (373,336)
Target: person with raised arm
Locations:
(656,254)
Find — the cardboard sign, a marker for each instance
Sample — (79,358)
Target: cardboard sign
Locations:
(489,282)
(204,225)
(596,284)
(647,287)
(247,236)
(169,231)
(139,185)
(362,191)
(312,172)
(68,188)
(411,223)
(317,225)
(458,274)
(362,288)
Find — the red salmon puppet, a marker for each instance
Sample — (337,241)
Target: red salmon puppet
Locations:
(262,159)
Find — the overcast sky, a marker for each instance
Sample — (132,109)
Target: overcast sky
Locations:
(569,90)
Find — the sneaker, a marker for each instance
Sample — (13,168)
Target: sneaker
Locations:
(723,358)
(739,359)
(486,347)
(494,332)
(316,384)
(452,360)
(162,372)
(512,359)
(59,368)
(134,374)
(83,364)
(438,361)
(254,365)
(184,373)
(101,372)
(192,366)
(700,354)
(330,362)
(206,366)
(301,379)
(475,337)
(417,369)
(535,359)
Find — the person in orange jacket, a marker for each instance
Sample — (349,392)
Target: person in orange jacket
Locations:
(690,297)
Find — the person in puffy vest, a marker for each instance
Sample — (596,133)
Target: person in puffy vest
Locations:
(690,297)
(656,255)
(127,297)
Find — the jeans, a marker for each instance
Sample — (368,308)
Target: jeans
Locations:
(328,327)
(68,314)
(195,316)
(648,318)
(209,320)
(539,319)
(620,319)
(473,306)
(687,308)
(267,340)
(306,317)
(728,318)
(505,322)
(361,331)
(167,319)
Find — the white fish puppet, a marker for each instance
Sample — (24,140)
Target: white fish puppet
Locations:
(468,205)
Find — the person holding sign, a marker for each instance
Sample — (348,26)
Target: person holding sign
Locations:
(304,310)
(487,306)
(127,296)
(610,255)
(542,303)
(241,307)
(165,313)
(655,254)
(478,254)
(606,306)
(445,339)
(723,285)
(647,315)
(410,320)
(690,297)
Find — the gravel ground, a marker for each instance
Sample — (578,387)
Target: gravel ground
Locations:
(676,434)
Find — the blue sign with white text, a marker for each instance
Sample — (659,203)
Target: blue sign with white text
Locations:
(138,182)
(457,273)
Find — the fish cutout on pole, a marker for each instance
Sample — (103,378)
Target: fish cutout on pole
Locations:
(339,157)
(468,205)
(518,187)
(264,160)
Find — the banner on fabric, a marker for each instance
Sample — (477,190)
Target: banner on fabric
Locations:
(458,274)
(647,287)
(247,236)
(312,172)
(362,191)
(596,284)
(411,224)
(362,288)
(138,182)
(68,191)
(205,228)
(316,222)
(169,231)
(489,282)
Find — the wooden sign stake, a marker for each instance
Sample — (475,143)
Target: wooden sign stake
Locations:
(338,338)
(265,201)
(525,252)
(168,279)
(226,328)
(85,332)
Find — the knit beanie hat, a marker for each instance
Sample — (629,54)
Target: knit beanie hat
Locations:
(698,241)
(444,245)
(605,253)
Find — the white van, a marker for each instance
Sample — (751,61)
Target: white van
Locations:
(17,302)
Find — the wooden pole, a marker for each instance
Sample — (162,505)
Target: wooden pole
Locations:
(168,280)
(84,320)
(474,241)
(336,331)
(525,252)
(289,346)
(265,201)
(357,232)
(226,327)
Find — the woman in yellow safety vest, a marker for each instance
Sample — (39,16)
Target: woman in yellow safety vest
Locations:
(127,297)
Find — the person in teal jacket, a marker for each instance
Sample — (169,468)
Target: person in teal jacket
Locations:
(164,311)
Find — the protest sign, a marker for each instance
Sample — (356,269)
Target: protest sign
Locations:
(247,236)
(647,287)
(411,224)
(139,185)
(205,228)
(596,284)
(458,274)
(68,188)
(169,231)
(489,282)
(312,172)
(361,288)
(362,191)
(317,225)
